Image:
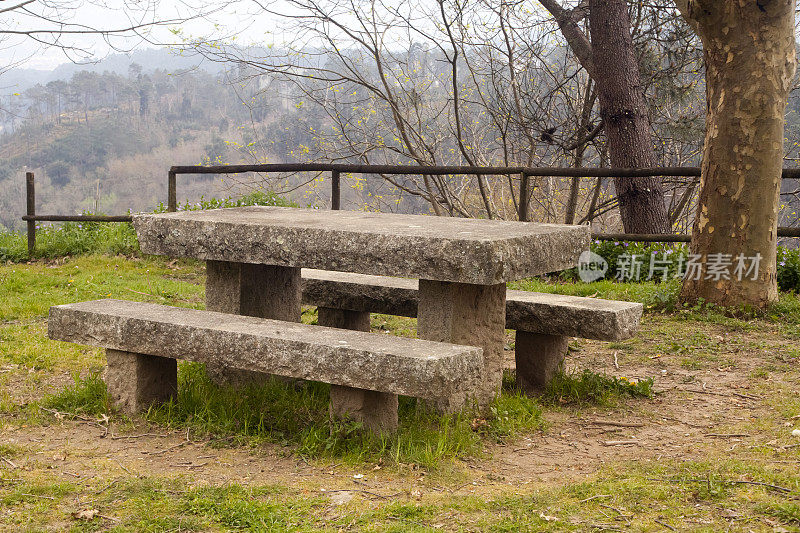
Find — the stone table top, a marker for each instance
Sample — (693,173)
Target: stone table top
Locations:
(462,250)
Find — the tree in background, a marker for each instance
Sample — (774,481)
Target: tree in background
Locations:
(749,50)
(610,59)
(460,82)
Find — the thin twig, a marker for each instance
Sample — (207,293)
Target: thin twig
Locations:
(36,496)
(165,450)
(381,496)
(120,437)
(729,481)
(665,525)
(595,497)
(123,467)
(617,424)
(740,395)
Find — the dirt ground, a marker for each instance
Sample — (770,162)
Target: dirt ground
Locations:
(720,407)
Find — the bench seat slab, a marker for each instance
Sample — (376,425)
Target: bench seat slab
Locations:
(398,365)
(537,312)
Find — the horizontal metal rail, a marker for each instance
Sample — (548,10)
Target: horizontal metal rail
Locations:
(650,237)
(336,169)
(439,170)
(568,172)
(78,218)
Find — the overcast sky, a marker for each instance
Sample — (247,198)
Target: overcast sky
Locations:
(242,18)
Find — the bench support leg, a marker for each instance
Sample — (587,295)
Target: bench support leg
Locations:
(471,315)
(343,319)
(264,291)
(137,381)
(376,410)
(538,357)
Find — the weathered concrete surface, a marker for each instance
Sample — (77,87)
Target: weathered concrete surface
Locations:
(411,367)
(472,315)
(137,381)
(572,316)
(360,292)
(376,410)
(536,312)
(483,252)
(253,290)
(538,357)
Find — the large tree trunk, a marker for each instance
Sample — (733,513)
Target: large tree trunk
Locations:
(749,52)
(624,112)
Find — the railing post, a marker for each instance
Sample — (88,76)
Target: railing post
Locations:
(31,211)
(336,190)
(523,197)
(172,193)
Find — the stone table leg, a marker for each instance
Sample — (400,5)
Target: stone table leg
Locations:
(376,410)
(472,315)
(538,357)
(264,291)
(137,381)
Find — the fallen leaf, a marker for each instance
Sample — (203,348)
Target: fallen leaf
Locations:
(86,514)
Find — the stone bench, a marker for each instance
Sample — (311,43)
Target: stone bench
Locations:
(366,370)
(543,322)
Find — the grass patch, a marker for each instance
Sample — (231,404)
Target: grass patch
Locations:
(10,451)
(296,414)
(88,397)
(71,238)
(591,388)
(788,513)
(252,509)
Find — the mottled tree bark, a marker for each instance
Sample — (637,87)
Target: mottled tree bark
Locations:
(624,112)
(749,52)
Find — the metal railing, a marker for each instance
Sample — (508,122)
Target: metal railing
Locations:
(336,170)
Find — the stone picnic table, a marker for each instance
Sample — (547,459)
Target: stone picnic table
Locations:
(254,256)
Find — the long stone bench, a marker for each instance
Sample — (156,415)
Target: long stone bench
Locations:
(543,322)
(366,370)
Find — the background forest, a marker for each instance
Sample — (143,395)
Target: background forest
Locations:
(101,137)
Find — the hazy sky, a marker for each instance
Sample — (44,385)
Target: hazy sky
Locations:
(242,18)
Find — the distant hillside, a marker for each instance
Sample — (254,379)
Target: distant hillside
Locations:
(18,80)
(104,140)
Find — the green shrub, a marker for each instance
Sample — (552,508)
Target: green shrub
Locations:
(788,269)
(265,198)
